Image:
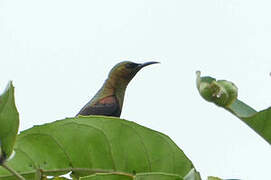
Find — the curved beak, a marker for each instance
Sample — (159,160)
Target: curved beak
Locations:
(147,63)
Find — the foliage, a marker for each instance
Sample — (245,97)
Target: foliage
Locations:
(95,144)
(101,148)
(9,122)
(213,91)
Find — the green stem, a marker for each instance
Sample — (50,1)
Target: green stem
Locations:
(91,171)
(12,171)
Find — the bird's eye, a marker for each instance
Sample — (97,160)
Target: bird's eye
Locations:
(131,65)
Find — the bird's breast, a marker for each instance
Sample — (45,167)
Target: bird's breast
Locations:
(108,100)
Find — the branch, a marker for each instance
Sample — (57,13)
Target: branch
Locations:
(12,171)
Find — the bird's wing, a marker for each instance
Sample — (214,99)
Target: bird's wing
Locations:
(107,106)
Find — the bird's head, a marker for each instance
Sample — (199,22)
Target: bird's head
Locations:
(126,70)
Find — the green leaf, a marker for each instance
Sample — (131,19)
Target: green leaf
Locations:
(107,176)
(95,144)
(214,178)
(140,176)
(9,122)
(55,178)
(192,175)
(260,122)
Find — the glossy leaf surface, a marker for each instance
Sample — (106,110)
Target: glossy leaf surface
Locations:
(96,144)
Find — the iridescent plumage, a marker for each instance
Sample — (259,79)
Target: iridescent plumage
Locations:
(108,100)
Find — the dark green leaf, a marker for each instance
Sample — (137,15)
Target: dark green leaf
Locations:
(261,123)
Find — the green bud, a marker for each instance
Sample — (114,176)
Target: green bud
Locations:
(222,93)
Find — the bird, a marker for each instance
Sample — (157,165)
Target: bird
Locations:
(108,101)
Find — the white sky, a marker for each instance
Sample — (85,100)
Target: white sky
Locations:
(59,52)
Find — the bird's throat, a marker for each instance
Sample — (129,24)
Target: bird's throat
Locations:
(116,88)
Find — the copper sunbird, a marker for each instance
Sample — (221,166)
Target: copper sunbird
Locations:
(108,100)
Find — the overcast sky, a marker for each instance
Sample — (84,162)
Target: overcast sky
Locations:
(59,52)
